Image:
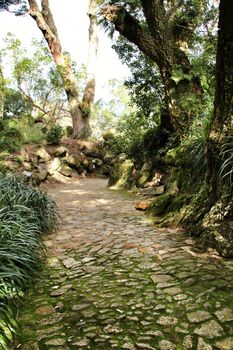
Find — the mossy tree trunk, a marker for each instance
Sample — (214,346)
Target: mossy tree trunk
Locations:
(222,121)
(163,41)
(80,111)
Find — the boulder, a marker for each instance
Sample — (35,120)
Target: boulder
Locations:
(121,174)
(91,167)
(54,165)
(60,151)
(27,166)
(108,159)
(153,191)
(144,175)
(58,177)
(65,170)
(85,162)
(98,162)
(73,161)
(24,155)
(43,155)
(42,173)
(143,205)
(103,170)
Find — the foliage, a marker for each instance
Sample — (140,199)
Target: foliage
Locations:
(144,86)
(226,155)
(131,132)
(15,105)
(34,81)
(54,135)
(31,132)
(193,146)
(10,137)
(5,4)
(106,113)
(25,213)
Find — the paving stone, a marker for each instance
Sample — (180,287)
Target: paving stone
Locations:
(224,315)
(45,310)
(56,342)
(167,321)
(161,278)
(166,345)
(112,329)
(82,343)
(128,346)
(209,329)
(202,345)
(80,307)
(173,291)
(188,342)
(198,316)
(225,344)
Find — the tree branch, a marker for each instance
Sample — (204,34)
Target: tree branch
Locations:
(44,19)
(131,29)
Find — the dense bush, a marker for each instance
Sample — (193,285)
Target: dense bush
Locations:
(54,135)
(131,132)
(25,214)
(31,132)
(10,137)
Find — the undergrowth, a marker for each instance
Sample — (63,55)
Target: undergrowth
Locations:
(25,213)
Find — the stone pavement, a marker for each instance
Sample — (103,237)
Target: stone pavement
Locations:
(114,281)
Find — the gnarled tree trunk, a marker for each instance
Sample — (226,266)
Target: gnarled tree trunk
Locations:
(162,44)
(80,112)
(222,122)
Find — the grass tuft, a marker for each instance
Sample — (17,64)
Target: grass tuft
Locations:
(25,214)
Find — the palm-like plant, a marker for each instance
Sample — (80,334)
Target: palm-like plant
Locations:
(226,154)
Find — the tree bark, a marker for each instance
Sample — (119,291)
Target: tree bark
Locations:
(160,44)
(2,93)
(89,92)
(222,121)
(46,24)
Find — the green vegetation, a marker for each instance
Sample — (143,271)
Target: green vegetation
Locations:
(25,213)
(10,137)
(54,135)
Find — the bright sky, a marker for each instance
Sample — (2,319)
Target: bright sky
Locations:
(72,23)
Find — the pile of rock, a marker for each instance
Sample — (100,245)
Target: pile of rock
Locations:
(63,162)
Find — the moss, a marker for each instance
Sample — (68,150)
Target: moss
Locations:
(145,174)
(159,206)
(85,109)
(121,175)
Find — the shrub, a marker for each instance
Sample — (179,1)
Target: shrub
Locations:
(25,213)
(31,132)
(54,135)
(10,137)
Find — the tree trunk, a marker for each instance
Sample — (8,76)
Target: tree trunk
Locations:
(2,93)
(46,24)
(162,45)
(222,122)
(89,92)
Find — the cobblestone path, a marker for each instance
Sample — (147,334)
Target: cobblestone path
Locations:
(114,281)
